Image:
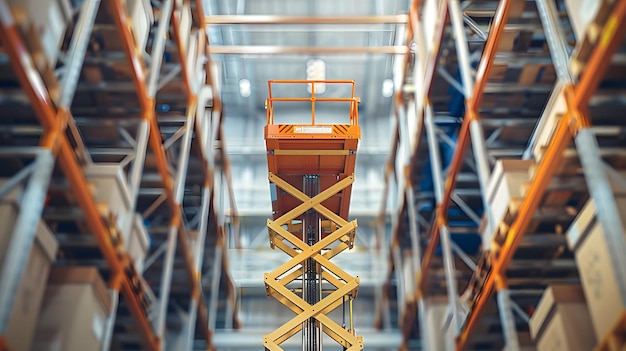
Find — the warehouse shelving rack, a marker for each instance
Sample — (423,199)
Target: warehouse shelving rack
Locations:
(525,62)
(178,179)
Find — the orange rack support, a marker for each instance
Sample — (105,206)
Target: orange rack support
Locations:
(51,121)
(482,74)
(148,113)
(575,119)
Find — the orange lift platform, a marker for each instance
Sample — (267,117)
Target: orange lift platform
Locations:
(311,171)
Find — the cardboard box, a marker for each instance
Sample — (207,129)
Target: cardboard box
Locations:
(48,19)
(550,117)
(525,341)
(142,18)
(561,321)
(597,274)
(111,189)
(435,313)
(30,290)
(138,244)
(74,311)
(581,14)
(185,24)
(504,186)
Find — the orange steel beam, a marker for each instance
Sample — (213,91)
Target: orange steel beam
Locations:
(577,97)
(200,13)
(25,71)
(484,68)
(431,65)
(67,160)
(82,192)
(182,54)
(545,170)
(489,52)
(441,217)
(147,105)
(50,118)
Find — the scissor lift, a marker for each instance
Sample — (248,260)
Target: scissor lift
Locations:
(311,171)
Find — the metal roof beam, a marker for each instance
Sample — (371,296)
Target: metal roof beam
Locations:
(262,19)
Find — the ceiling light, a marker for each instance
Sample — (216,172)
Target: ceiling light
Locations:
(244,87)
(387,88)
(316,70)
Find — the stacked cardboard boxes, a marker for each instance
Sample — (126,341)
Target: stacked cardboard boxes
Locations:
(598,276)
(30,290)
(561,321)
(74,311)
(112,194)
(110,190)
(581,14)
(504,193)
(42,24)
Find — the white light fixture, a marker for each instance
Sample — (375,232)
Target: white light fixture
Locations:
(316,70)
(244,87)
(387,88)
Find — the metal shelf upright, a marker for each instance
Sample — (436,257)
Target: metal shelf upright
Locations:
(575,124)
(54,121)
(177,159)
(522,71)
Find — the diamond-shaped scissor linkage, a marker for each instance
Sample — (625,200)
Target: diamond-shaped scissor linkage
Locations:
(340,283)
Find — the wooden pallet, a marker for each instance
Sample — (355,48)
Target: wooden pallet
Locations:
(615,340)
(501,230)
(483,267)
